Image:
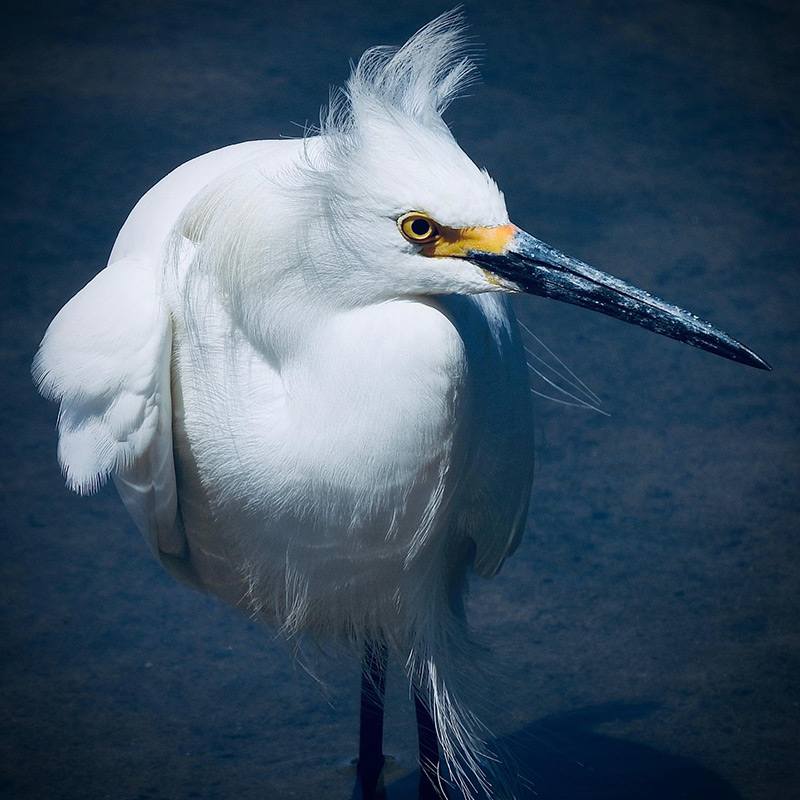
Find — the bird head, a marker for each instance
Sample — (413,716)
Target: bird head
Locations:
(417,217)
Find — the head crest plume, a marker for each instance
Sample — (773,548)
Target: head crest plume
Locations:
(417,81)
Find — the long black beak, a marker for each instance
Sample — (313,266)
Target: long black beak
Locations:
(535,267)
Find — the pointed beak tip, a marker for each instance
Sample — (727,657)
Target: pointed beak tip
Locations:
(759,363)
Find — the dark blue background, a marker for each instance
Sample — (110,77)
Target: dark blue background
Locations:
(646,633)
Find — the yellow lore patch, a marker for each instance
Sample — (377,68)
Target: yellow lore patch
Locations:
(457,242)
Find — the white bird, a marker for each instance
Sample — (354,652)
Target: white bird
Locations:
(301,369)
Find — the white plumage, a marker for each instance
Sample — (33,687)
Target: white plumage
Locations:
(341,422)
(311,408)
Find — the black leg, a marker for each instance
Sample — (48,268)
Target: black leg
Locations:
(370,743)
(430,784)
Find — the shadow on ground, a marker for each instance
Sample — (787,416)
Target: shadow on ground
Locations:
(562,758)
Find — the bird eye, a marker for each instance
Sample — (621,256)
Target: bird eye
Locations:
(418,228)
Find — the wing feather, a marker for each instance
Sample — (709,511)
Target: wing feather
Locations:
(106,359)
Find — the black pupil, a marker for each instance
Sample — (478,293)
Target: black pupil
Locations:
(420,227)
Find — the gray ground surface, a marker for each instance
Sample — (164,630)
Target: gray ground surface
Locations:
(646,632)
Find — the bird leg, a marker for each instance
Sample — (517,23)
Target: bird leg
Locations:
(431,786)
(369,785)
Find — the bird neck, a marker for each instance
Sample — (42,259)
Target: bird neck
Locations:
(377,385)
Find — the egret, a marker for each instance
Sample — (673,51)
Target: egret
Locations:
(301,370)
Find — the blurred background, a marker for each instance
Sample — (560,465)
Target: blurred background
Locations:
(644,638)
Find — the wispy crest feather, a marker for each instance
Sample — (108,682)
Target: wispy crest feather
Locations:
(418,80)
